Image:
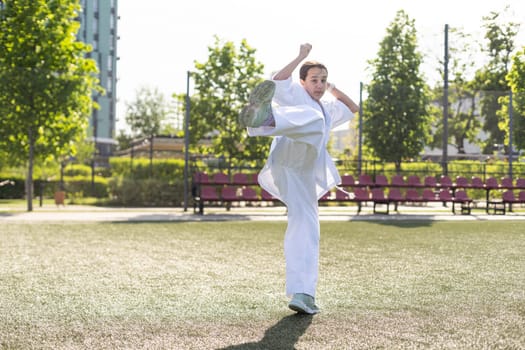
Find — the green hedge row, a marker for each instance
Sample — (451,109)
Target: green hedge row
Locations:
(139,169)
(123,183)
(80,186)
(128,182)
(15,189)
(149,192)
(132,185)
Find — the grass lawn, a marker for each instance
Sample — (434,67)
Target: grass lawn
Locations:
(215,285)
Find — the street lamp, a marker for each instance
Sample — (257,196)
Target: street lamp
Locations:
(187,141)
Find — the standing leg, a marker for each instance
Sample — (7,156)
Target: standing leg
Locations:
(301,244)
(301,249)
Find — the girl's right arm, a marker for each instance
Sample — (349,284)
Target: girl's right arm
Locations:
(287,71)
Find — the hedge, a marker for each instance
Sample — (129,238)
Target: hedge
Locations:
(169,170)
(80,186)
(148,192)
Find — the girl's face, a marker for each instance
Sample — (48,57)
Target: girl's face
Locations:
(315,82)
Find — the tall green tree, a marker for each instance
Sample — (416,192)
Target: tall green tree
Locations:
(500,33)
(46,81)
(222,86)
(396,123)
(463,100)
(146,114)
(516,80)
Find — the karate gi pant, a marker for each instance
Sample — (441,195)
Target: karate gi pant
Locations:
(301,240)
(290,175)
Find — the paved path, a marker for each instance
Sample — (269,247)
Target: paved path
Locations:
(74,213)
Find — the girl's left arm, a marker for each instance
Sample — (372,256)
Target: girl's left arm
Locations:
(344,98)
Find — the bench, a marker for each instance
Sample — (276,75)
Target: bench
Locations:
(220,190)
(507,200)
(223,190)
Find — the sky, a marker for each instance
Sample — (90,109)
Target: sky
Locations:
(160,40)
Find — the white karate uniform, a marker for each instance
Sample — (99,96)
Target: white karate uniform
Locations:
(299,171)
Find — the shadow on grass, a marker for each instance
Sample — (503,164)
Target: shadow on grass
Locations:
(283,335)
(407,223)
(174,218)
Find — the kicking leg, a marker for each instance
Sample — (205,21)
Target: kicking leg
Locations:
(259,110)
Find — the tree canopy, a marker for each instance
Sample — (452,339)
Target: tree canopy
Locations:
(499,47)
(146,113)
(46,82)
(516,80)
(463,101)
(222,86)
(145,116)
(395,120)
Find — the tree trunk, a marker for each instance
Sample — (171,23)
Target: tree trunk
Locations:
(29,179)
(398,166)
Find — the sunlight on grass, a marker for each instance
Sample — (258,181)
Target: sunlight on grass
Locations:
(211,285)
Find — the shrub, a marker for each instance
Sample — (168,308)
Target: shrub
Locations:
(84,185)
(77,170)
(169,170)
(15,189)
(148,192)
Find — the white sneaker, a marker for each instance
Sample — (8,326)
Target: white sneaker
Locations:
(259,109)
(303,304)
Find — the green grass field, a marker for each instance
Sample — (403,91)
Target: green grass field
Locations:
(216,285)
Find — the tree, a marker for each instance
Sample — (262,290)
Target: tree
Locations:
(47,82)
(463,114)
(500,34)
(145,115)
(516,80)
(396,122)
(124,140)
(223,84)
(84,150)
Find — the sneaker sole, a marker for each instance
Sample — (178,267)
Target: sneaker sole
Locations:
(259,106)
(262,93)
(302,308)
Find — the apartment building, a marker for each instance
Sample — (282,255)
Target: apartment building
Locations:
(99,19)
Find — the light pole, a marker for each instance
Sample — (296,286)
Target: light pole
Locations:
(187,142)
(511,127)
(360,142)
(93,160)
(445,107)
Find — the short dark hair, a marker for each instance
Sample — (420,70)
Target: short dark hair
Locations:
(303,72)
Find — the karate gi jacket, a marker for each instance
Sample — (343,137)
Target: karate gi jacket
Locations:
(301,134)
